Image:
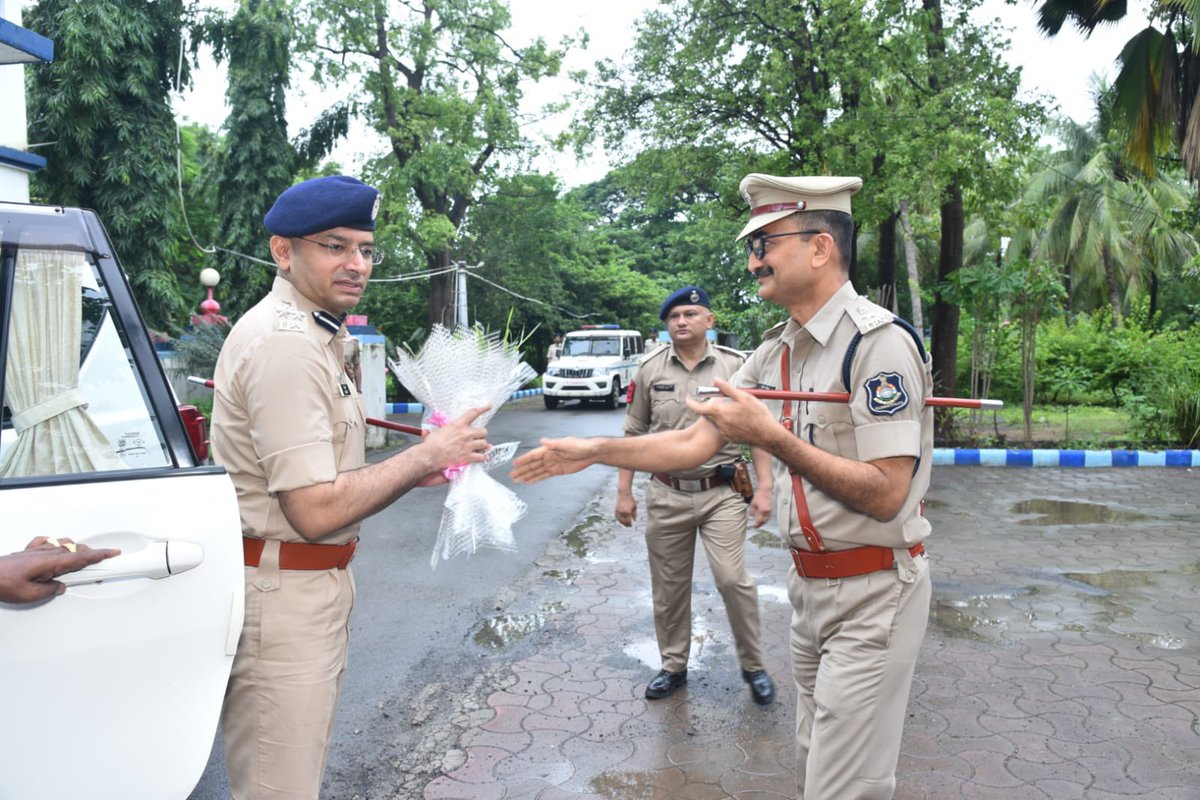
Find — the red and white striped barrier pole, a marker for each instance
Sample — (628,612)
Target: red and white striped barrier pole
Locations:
(844,397)
(379,423)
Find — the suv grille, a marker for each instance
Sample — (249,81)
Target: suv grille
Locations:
(575,373)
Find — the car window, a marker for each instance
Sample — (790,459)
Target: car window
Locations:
(606,347)
(72,401)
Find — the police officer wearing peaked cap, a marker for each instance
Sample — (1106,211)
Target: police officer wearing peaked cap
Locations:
(860,584)
(850,478)
(303,486)
(684,504)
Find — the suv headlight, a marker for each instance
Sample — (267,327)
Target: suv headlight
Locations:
(552,372)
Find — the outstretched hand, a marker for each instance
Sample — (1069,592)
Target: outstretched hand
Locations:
(554,457)
(28,575)
(738,416)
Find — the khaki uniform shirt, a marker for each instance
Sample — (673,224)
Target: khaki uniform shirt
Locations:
(285,414)
(886,415)
(660,386)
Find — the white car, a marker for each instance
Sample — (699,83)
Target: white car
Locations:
(113,689)
(597,363)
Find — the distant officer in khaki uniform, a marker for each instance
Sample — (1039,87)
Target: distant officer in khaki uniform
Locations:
(288,425)
(701,500)
(860,586)
(554,351)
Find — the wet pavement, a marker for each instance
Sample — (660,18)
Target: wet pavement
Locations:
(1062,659)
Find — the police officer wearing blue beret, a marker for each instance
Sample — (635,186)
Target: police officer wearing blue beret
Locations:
(288,425)
(699,502)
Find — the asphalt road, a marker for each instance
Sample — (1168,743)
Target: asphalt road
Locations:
(418,635)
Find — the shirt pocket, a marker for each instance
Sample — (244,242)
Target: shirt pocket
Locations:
(666,408)
(345,416)
(830,427)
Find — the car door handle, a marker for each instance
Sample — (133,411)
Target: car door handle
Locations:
(157,559)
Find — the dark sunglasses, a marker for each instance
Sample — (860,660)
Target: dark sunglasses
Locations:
(756,243)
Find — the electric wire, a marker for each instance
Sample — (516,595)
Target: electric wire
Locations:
(531,299)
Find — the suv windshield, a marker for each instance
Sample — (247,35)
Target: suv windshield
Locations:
(592,346)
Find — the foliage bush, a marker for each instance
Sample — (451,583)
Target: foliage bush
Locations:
(197,350)
(1153,375)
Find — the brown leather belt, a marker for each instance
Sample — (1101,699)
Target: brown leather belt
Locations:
(301,555)
(847,563)
(692,485)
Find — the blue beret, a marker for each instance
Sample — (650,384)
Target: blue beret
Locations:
(335,201)
(688,295)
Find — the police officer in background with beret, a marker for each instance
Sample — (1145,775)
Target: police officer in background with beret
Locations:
(687,502)
(288,425)
(850,480)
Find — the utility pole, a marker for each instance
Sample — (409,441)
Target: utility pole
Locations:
(460,291)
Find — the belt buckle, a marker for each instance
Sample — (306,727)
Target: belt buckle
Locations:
(693,485)
(799,562)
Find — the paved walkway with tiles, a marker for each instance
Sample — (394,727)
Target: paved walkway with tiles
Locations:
(1061,660)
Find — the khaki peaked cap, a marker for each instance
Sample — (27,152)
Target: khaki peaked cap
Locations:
(772,198)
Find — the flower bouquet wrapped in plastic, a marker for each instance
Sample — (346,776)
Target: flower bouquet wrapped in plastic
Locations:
(455,371)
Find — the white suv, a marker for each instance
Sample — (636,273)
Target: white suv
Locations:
(597,363)
(114,688)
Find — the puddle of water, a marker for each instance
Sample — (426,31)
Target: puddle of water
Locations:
(776,594)
(930,503)
(564,575)
(622,785)
(1115,579)
(962,619)
(768,539)
(577,539)
(1158,640)
(500,631)
(646,650)
(1071,512)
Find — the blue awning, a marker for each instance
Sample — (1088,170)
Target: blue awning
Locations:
(19,159)
(21,46)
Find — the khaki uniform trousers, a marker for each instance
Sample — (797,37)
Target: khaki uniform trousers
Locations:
(672,520)
(854,646)
(279,710)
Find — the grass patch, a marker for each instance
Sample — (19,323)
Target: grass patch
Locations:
(1077,427)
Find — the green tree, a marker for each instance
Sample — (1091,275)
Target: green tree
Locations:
(1158,84)
(442,85)
(102,109)
(922,109)
(548,267)
(258,160)
(1109,225)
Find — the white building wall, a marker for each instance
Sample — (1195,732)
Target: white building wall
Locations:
(14,183)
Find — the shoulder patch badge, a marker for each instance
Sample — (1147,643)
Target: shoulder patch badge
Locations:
(885,394)
(290,318)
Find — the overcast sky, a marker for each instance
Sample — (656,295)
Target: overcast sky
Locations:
(1061,69)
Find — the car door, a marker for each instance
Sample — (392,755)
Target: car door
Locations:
(113,689)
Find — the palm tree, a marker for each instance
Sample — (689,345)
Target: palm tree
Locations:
(1108,225)
(1158,86)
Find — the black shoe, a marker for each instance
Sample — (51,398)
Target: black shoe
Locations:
(762,688)
(665,683)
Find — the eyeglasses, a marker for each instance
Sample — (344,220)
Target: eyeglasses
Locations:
(756,243)
(342,252)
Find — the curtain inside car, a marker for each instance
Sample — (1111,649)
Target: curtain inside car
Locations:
(55,435)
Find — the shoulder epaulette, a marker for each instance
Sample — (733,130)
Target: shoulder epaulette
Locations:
(289,318)
(775,331)
(867,316)
(848,360)
(658,351)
